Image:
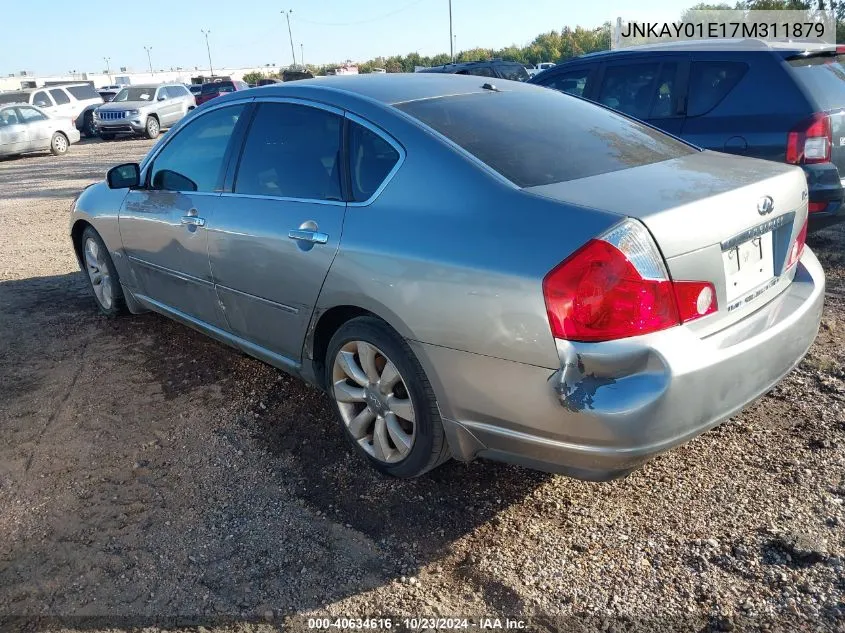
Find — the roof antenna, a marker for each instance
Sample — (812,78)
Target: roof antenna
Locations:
(489,86)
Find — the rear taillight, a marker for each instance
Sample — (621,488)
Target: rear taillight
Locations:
(816,207)
(798,246)
(810,141)
(617,286)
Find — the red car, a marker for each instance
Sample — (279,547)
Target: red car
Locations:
(217,88)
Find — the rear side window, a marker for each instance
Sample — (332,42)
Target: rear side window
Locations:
(291,151)
(514,72)
(371,159)
(710,82)
(59,96)
(540,137)
(823,77)
(573,82)
(629,88)
(481,71)
(83,93)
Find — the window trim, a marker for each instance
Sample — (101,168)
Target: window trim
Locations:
(238,152)
(688,83)
(354,118)
(661,59)
(234,142)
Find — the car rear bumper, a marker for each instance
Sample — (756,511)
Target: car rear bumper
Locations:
(614,405)
(825,188)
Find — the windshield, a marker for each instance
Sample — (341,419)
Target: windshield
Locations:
(823,76)
(136,94)
(14,97)
(539,137)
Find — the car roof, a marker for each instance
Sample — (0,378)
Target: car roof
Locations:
(393,88)
(715,44)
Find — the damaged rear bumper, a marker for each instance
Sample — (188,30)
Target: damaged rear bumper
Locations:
(614,405)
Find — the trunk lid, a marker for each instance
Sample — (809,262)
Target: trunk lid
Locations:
(708,212)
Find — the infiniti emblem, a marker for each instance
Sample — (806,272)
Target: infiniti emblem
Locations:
(765,205)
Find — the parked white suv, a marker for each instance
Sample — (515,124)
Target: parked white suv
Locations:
(68,101)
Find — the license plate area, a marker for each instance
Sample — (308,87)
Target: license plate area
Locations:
(748,265)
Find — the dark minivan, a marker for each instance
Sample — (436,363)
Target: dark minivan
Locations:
(776,101)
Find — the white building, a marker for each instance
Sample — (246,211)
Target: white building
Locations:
(27,79)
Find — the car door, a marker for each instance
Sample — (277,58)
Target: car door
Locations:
(14,136)
(164,107)
(64,108)
(276,232)
(39,132)
(164,224)
(647,88)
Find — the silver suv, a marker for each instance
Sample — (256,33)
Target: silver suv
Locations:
(144,109)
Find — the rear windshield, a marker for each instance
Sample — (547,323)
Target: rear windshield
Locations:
(83,92)
(539,137)
(823,77)
(514,72)
(14,97)
(220,86)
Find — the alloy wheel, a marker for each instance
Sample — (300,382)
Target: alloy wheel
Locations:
(374,401)
(98,273)
(60,143)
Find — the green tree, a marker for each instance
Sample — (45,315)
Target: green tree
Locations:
(253,77)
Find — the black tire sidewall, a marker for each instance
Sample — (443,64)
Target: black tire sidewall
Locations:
(428,426)
(118,305)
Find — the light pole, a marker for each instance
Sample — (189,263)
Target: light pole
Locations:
(206,32)
(451,37)
(149,61)
(108,68)
(292,54)
(302,54)
(455,49)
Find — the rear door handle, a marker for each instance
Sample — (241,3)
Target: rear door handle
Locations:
(193,220)
(315,237)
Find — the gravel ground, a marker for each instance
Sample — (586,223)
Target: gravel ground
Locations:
(151,477)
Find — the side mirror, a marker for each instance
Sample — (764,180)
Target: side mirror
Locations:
(162,98)
(124,176)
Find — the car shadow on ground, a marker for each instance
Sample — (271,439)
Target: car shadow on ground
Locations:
(167,476)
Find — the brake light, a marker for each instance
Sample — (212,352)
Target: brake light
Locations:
(798,246)
(810,141)
(616,286)
(815,207)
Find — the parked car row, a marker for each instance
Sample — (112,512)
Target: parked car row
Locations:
(75,102)
(469,267)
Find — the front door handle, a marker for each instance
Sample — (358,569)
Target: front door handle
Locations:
(192,220)
(315,237)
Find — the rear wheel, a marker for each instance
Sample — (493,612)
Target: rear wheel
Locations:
(89,129)
(384,402)
(102,275)
(59,144)
(152,128)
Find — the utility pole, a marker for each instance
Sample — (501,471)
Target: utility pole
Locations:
(149,61)
(451,37)
(302,54)
(108,68)
(455,41)
(206,32)
(292,54)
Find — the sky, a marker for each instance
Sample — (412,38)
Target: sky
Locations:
(254,32)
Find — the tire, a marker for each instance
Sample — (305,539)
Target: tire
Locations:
(152,128)
(367,413)
(102,276)
(89,129)
(107,137)
(59,144)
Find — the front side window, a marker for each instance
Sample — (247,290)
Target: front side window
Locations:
(41,99)
(371,159)
(481,71)
(8,117)
(30,115)
(291,151)
(59,96)
(135,94)
(629,88)
(573,82)
(193,159)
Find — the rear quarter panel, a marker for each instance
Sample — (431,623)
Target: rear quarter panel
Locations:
(450,255)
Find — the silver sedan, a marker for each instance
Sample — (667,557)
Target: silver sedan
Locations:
(25,128)
(468,269)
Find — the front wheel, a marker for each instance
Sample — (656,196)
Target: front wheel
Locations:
(152,128)
(59,144)
(385,404)
(102,275)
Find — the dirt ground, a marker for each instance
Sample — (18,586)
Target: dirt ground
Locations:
(150,477)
